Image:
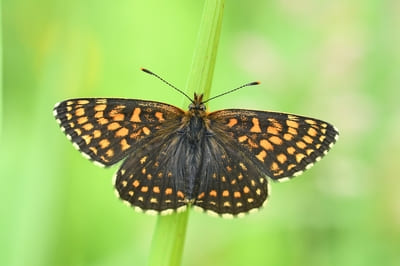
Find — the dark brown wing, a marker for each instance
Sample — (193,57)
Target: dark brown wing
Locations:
(230,184)
(280,145)
(152,178)
(107,130)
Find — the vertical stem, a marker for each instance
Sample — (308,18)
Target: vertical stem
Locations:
(169,235)
(202,70)
(1,71)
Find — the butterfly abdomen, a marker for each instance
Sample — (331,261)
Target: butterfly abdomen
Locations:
(192,138)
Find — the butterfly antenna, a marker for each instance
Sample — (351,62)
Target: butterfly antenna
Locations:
(166,82)
(222,94)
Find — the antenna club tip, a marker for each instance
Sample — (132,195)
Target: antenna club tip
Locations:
(146,70)
(256,82)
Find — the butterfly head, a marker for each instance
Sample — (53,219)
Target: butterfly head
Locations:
(197,103)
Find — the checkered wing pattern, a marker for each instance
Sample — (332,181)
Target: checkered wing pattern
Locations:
(280,145)
(154,178)
(107,130)
(216,161)
(231,184)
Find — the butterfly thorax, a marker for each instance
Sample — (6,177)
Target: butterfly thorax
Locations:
(195,127)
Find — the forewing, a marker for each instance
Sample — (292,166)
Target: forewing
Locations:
(230,183)
(106,130)
(281,145)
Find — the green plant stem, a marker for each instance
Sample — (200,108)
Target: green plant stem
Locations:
(169,235)
(1,72)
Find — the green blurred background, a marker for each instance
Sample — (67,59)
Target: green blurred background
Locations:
(334,60)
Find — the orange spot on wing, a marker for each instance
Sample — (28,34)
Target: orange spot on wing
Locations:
(78,131)
(110,153)
(87,138)
(80,112)
(87,126)
(266,145)
(310,122)
(113,126)
(83,101)
(276,140)
(291,150)
(237,194)
(100,107)
(299,157)
(227,204)
(104,143)
(168,191)
(124,145)
(82,120)
(180,194)
(143,160)
(159,116)
(122,132)
(272,130)
(301,144)
(232,122)
(292,131)
(102,121)
(312,132)
(94,150)
(291,123)
(288,136)
(308,139)
(274,167)
(146,130)
(281,158)
(96,133)
(136,115)
(240,176)
(256,125)
(136,183)
(261,156)
(99,114)
(213,193)
(242,138)
(118,117)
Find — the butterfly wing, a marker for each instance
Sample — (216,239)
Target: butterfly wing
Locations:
(280,145)
(107,130)
(230,183)
(154,178)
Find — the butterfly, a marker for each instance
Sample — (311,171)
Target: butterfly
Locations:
(217,161)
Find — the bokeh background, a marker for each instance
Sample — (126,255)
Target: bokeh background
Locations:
(334,60)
